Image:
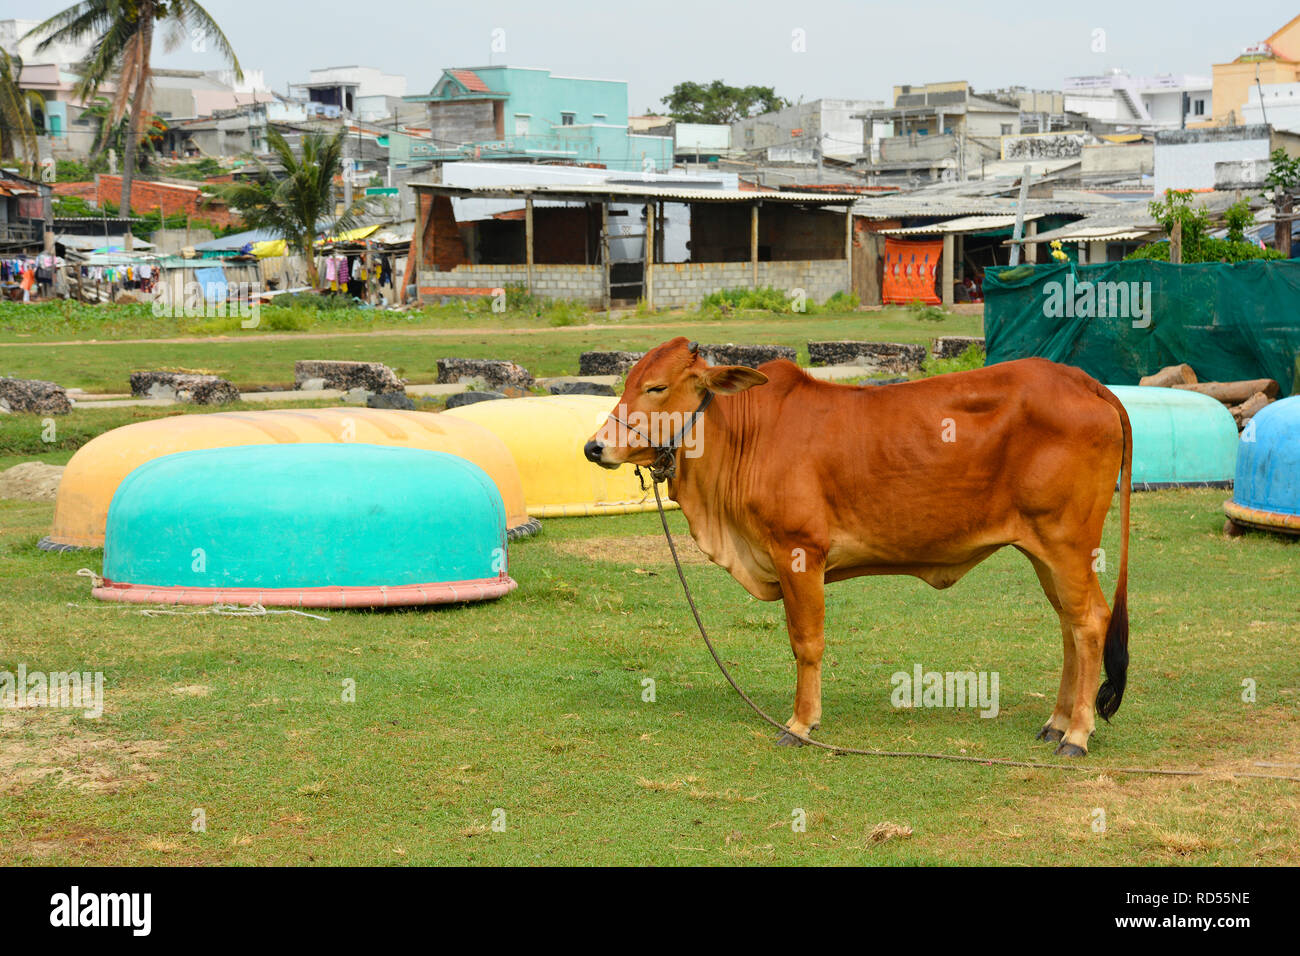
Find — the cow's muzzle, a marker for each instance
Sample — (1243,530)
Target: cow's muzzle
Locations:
(594,452)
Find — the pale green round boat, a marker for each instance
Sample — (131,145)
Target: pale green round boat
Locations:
(1181,438)
(306,525)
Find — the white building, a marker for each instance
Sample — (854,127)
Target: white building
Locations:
(361,92)
(700,139)
(12,42)
(1166,101)
(1279,106)
(826,126)
(1187,158)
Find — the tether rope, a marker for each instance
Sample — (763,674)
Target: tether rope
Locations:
(916,754)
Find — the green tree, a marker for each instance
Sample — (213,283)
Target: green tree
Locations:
(1238,218)
(17,130)
(717,102)
(1284,172)
(1198,245)
(122,34)
(113,135)
(300,200)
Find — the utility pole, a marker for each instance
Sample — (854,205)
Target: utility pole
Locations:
(1019,231)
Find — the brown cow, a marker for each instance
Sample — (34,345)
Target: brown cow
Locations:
(790,483)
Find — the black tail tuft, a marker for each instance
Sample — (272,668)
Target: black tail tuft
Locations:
(1115,654)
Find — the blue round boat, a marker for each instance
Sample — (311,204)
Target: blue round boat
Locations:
(1266,493)
(306,525)
(1181,438)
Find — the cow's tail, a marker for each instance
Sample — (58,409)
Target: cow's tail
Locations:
(1115,651)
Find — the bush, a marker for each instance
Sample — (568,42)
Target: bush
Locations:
(562,312)
(841,302)
(71,171)
(313,301)
(763,299)
(928,313)
(199,170)
(1207,250)
(972,358)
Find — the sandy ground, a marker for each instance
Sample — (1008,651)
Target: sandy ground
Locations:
(31,481)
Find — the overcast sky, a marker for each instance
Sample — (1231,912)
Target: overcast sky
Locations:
(850,49)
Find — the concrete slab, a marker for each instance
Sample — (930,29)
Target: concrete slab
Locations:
(434,389)
(610,380)
(293,395)
(127,403)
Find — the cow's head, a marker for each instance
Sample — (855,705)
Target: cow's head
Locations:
(663,392)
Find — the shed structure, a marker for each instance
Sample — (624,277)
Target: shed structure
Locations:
(564,243)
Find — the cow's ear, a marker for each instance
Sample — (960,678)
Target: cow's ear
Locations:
(730,379)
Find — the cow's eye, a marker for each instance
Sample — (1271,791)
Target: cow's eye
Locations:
(657,388)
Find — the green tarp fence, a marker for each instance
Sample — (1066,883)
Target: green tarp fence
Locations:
(1119,321)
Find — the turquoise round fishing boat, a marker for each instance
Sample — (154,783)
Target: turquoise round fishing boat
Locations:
(1181,438)
(306,525)
(1266,493)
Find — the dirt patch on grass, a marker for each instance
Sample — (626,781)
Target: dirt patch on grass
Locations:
(36,745)
(639,550)
(31,481)
(1180,819)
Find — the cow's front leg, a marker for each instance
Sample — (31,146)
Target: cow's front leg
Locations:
(803,587)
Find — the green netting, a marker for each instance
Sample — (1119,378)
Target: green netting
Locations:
(1119,321)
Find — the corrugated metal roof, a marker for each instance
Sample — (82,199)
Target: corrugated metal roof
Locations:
(1090,235)
(963,224)
(84,243)
(904,205)
(586,191)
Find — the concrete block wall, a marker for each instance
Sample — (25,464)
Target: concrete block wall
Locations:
(583,283)
(676,285)
(684,284)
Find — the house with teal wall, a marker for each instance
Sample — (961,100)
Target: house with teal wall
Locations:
(521,114)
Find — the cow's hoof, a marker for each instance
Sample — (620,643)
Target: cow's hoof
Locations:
(1050,734)
(1070,750)
(788,739)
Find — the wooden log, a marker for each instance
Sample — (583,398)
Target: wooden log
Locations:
(1171,375)
(1234,393)
(1247,409)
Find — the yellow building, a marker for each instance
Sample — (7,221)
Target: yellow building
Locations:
(1276,60)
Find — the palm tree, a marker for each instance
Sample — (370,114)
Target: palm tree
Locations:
(16,126)
(298,201)
(114,137)
(122,33)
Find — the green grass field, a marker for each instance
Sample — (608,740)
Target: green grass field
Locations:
(533,705)
(529,711)
(105,354)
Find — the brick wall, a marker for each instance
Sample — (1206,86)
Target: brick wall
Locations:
(147,196)
(80,190)
(441,245)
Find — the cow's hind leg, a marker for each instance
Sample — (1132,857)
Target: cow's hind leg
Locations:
(1084,609)
(1054,730)
(803,588)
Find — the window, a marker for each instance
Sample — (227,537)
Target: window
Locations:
(1198,107)
(566,119)
(521,124)
(1006,129)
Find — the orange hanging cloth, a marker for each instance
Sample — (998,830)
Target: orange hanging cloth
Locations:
(910,269)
